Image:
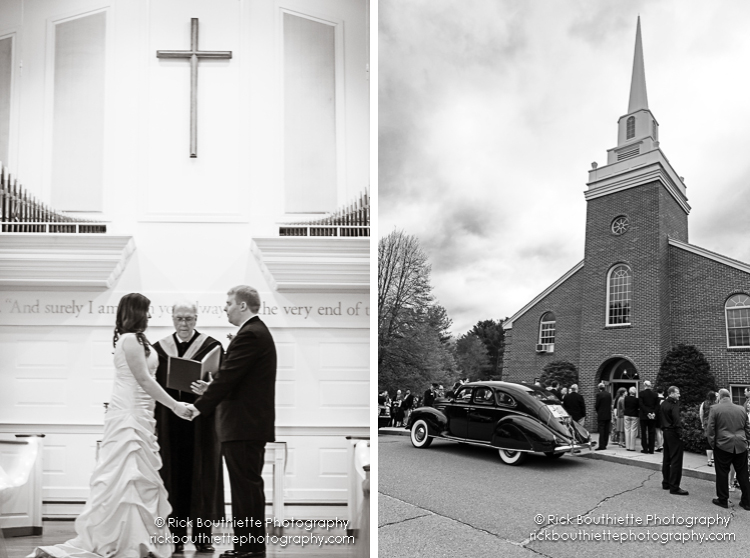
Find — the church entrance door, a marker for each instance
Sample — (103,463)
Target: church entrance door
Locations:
(619,373)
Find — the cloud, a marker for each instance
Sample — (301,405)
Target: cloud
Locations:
(491,111)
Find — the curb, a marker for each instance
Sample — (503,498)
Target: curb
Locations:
(649,465)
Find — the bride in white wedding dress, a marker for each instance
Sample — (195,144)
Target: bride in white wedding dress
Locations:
(127,494)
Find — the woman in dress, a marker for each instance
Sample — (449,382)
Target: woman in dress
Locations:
(631,410)
(619,413)
(127,494)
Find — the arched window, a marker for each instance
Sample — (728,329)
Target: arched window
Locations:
(619,291)
(630,133)
(737,310)
(547,329)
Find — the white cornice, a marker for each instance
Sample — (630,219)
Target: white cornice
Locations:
(74,261)
(508,324)
(710,255)
(629,173)
(312,264)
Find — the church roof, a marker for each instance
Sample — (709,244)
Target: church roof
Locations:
(638,95)
(710,255)
(508,324)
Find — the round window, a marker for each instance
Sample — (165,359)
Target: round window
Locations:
(620,225)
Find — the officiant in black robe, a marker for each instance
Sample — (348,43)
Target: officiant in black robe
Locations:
(190,451)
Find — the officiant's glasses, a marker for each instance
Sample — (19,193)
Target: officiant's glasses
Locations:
(183,319)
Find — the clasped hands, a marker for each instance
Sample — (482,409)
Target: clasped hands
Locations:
(187,411)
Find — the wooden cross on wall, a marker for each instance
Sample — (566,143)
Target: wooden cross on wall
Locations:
(194,55)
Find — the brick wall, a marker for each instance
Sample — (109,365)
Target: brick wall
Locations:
(700,288)
(522,362)
(653,215)
(677,297)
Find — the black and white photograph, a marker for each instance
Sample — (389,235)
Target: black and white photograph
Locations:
(563,278)
(185,278)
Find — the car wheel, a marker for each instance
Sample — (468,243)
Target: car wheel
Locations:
(512,457)
(420,434)
(553,455)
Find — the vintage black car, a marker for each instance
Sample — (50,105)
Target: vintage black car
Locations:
(517,419)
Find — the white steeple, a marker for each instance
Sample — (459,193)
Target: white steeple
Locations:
(638,130)
(637,159)
(638,96)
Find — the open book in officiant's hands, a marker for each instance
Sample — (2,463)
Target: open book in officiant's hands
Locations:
(181,372)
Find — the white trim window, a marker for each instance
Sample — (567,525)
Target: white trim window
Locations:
(737,311)
(547,328)
(738,393)
(619,293)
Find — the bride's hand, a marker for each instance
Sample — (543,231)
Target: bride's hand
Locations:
(181,410)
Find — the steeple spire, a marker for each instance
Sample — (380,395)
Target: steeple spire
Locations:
(638,96)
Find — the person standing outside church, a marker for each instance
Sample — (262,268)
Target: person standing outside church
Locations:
(648,404)
(671,424)
(190,451)
(603,407)
(728,432)
(574,404)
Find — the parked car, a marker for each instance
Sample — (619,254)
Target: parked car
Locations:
(517,419)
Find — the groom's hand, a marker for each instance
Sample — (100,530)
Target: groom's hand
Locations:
(199,387)
(195,412)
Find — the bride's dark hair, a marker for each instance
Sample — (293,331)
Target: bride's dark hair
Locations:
(132,317)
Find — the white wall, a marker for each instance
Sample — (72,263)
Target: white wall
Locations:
(193,222)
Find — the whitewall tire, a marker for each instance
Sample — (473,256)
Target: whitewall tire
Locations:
(420,437)
(512,457)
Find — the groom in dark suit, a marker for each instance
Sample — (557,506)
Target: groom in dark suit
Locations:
(242,394)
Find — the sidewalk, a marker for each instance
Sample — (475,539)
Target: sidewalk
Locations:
(693,465)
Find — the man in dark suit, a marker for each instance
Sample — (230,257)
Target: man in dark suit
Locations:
(603,407)
(728,432)
(574,404)
(242,394)
(671,425)
(648,403)
(429,396)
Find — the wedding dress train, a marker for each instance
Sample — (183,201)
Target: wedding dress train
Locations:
(127,508)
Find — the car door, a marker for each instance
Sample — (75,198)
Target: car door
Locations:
(508,436)
(483,415)
(457,412)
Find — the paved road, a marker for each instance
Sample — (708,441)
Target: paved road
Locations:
(459,500)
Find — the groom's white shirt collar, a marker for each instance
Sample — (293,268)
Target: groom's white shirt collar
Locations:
(243,323)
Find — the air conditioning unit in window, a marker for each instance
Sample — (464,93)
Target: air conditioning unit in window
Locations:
(545,348)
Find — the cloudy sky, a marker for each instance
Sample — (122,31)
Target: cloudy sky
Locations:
(492,111)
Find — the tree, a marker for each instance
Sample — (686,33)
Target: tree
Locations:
(404,290)
(471,356)
(561,370)
(413,340)
(493,336)
(685,366)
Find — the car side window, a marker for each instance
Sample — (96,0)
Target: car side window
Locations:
(505,400)
(484,396)
(463,395)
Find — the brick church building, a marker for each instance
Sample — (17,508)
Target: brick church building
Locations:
(642,287)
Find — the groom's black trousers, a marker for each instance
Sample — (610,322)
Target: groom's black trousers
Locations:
(245,464)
